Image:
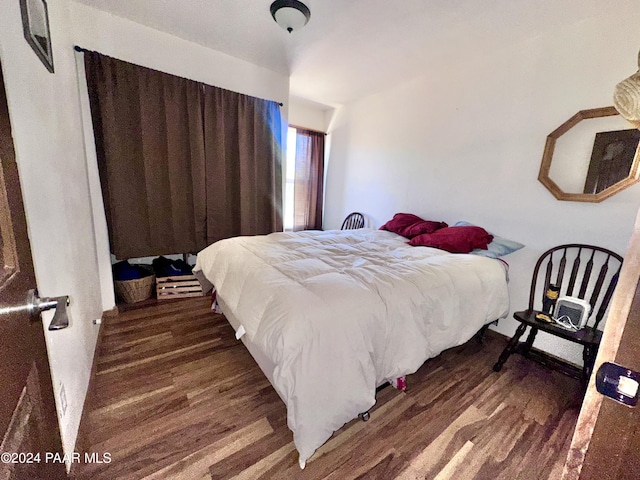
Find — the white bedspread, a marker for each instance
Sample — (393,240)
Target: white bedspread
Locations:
(339,312)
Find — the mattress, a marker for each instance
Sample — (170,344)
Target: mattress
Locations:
(330,315)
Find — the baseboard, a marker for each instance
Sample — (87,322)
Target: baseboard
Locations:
(84,426)
(111,313)
(551,361)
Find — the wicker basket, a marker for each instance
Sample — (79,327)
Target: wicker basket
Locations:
(132,291)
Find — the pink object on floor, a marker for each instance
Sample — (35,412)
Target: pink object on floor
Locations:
(214,302)
(399,383)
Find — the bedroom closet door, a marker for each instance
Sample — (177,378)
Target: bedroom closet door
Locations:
(28,422)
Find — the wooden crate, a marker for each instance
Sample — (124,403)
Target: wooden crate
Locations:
(182,286)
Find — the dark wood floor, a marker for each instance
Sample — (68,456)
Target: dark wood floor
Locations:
(176,396)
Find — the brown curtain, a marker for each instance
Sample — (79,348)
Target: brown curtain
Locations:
(243,138)
(150,148)
(177,175)
(309,180)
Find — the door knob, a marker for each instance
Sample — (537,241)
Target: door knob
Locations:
(35,305)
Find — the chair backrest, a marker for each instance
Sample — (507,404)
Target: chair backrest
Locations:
(583,271)
(354,220)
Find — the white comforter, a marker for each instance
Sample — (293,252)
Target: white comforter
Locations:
(339,312)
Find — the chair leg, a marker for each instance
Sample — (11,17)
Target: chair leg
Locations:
(588,357)
(529,342)
(510,348)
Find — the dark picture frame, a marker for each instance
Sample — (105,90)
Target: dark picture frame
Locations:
(612,159)
(35,25)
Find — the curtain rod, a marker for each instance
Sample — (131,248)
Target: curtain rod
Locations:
(82,50)
(297,127)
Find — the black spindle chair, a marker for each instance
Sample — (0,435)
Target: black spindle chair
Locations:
(353,221)
(593,275)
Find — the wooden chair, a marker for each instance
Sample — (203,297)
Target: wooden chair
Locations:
(582,260)
(354,220)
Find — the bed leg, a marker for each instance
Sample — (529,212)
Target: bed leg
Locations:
(481,332)
(364,416)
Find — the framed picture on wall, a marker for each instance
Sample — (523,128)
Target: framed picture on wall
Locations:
(35,24)
(612,159)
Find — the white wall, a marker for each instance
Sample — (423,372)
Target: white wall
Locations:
(464,142)
(135,43)
(44,111)
(59,178)
(311,115)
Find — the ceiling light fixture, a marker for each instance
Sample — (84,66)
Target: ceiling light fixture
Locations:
(291,15)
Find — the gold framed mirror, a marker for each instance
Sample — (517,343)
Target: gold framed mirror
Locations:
(591,156)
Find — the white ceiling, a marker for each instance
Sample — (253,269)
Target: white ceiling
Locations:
(353,48)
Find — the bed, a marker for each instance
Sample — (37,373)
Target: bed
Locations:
(331,315)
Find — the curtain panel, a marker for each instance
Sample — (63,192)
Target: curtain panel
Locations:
(165,189)
(243,148)
(308,184)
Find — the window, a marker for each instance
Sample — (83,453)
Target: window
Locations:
(303,198)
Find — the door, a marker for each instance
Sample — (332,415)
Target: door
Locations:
(606,442)
(614,451)
(28,419)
